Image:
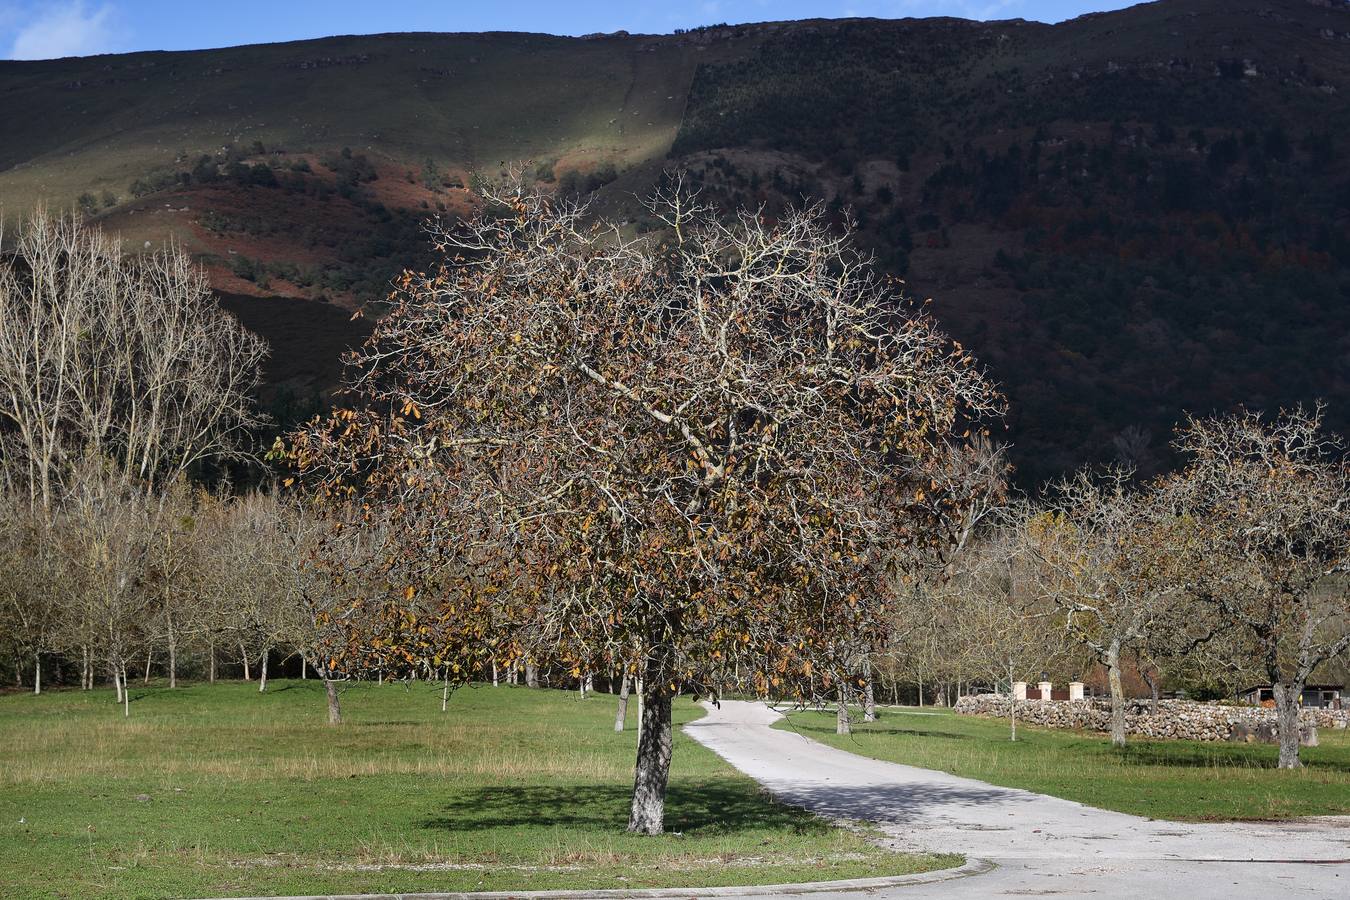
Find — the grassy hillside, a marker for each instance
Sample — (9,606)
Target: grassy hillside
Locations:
(1127,215)
(470,100)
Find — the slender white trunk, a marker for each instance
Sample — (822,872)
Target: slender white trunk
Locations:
(304,668)
(869,699)
(494,673)
(211,662)
(621,715)
(445,692)
(126,694)
(243,654)
(841,720)
(173,658)
(37,673)
(641,718)
(149,655)
(262,671)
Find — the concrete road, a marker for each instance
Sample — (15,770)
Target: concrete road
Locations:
(1040,846)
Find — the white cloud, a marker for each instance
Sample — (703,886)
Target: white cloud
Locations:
(67,29)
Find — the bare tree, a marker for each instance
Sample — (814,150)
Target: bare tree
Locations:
(1109,554)
(104,527)
(699,460)
(124,358)
(30,601)
(1270,500)
(1005,627)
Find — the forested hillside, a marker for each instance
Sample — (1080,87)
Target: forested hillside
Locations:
(1126,216)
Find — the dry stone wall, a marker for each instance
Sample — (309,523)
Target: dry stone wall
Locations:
(1181,719)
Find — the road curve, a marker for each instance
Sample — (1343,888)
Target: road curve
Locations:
(1041,846)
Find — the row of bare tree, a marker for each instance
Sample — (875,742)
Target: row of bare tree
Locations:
(118,579)
(121,379)
(1231,569)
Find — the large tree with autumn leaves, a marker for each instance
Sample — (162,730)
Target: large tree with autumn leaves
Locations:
(700,458)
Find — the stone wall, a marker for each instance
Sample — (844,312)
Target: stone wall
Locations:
(1184,719)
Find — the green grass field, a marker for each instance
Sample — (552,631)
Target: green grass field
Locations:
(1181,780)
(214,790)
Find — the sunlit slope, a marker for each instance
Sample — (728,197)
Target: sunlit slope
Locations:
(99,123)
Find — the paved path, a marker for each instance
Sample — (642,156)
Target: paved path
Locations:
(1042,846)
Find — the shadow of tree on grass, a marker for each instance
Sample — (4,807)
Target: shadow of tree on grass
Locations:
(712,806)
(865,729)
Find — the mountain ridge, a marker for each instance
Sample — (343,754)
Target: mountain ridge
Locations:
(1126,215)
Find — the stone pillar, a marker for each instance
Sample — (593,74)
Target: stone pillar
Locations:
(1045,687)
(1019,690)
(1075,690)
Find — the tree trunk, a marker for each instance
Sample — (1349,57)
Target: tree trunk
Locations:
(445,692)
(494,673)
(1117,695)
(37,673)
(244,655)
(86,680)
(841,722)
(647,815)
(211,662)
(621,716)
(262,671)
(1286,712)
(149,655)
(334,710)
(117,683)
(869,702)
(1154,685)
(173,648)
(126,694)
(640,719)
(531,675)
(304,668)
(920,692)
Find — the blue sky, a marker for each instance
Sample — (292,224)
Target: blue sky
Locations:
(42,29)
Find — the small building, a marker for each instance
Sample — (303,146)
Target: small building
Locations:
(1321,696)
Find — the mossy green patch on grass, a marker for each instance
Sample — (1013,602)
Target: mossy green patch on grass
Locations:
(1181,780)
(213,790)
